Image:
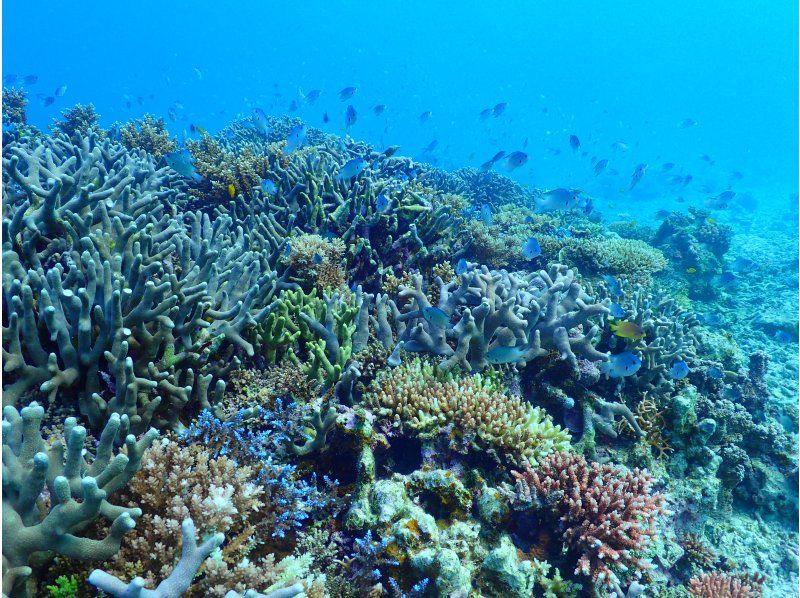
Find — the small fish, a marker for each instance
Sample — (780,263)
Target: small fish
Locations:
(182,162)
(30,79)
(48,101)
(616,310)
(498,156)
(485,114)
(486,214)
(260,121)
(9,79)
(436,317)
(378,109)
(742,264)
(711,221)
(707,158)
(425,117)
(391,150)
(326,118)
(60,91)
(268,187)
(560,232)
(431,146)
(557,199)
(501,355)
(232,191)
(622,365)
(574,143)
(687,123)
(294,106)
(382,203)
(715,373)
(316,258)
(347,93)
(515,160)
(662,214)
(727,278)
(782,336)
(620,146)
(499,109)
(313,95)
(171,113)
(350,116)
(531,249)
(600,166)
(351,168)
(637,175)
(709,318)
(296,138)
(462,266)
(679,370)
(667,166)
(691,270)
(627,329)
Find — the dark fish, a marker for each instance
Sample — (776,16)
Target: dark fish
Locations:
(687,123)
(498,156)
(139,100)
(525,143)
(499,109)
(425,117)
(30,79)
(347,93)
(727,278)
(60,91)
(391,150)
(667,166)
(326,118)
(350,116)
(742,264)
(715,373)
(294,106)
(613,285)
(431,146)
(485,114)
(515,160)
(173,116)
(462,266)
(637,175)
(531,249)
(9,79)
(316,258)
(600,166)
(486,214)
(378,109)
(48,101)
(574,142)
(259,118)
(313,95)
(782,336)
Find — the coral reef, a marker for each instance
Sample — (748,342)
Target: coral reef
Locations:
(149,134)
(78,121)
(721,585)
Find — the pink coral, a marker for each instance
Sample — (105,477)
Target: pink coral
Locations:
(608,513)
(722,585)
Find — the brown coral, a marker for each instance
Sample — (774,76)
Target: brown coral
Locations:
(148,134)
(225,171)
(608,513)
(722,585)
(697,551)
(78,120)
(317,262)
(414,397)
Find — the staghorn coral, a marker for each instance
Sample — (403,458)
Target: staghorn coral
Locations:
(32,524)
(630,258)
(607,514)
(724,585)
(148,134)
(416,399)
(521,315)
(15,102)
(78,121)
(220,169)
(315,262)
(697,551)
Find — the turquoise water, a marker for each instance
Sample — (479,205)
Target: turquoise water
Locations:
(700,98)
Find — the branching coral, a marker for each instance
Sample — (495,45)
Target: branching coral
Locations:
(148,134)
(502,318)
(723,585)
(77,483)
(417,400)
(316,262)
(15,102)
(608,515)
(633,259)
(77,121)
(222,170)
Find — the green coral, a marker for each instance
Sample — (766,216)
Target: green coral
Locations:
(64,587)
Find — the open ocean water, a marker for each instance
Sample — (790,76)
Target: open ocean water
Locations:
(415,299)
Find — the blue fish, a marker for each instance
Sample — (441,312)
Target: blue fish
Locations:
(499,109)
(431,146)
(287,248)
(709,318)
(613,285)
(425,117)
(574,142)
(679,370)
(347,93)
(296,138)
(325,118)
(30,79)
(485,114)
(727,278)
(462,266)
(557,199)
(60,91)
(268,187)
(436,317)
(622,365)
(715,373)
(48,101)
(378,109)
(668,166)
(486,214)
(637,175)
(515,160)
(351,168)
(500,355)
(531,249)
(560,232)
(616,310)
(181,161)
(316,258)
(382,203)
(350,116)
(782,336)
(600,166)
(313,95)
(260,121)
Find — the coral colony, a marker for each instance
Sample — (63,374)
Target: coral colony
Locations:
(275,362)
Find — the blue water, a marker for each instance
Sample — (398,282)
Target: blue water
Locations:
(607,72)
